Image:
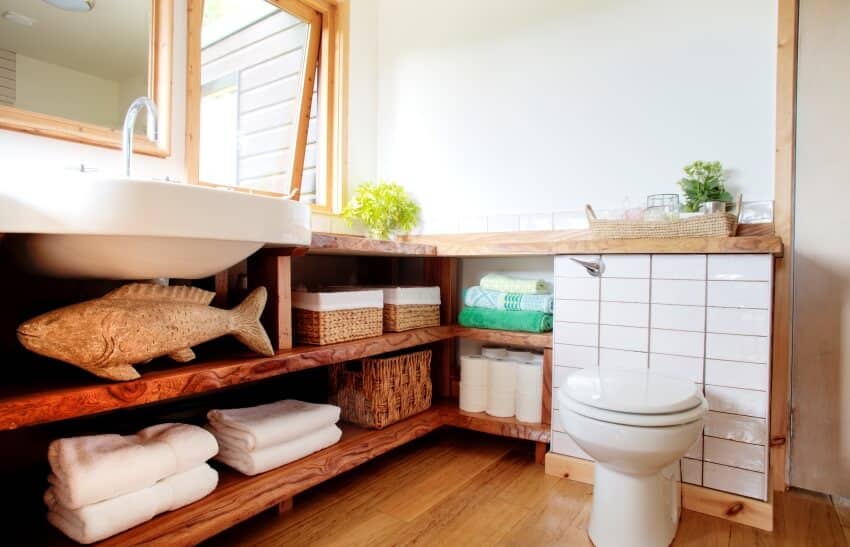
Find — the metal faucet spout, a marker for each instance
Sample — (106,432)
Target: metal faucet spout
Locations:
(130,126)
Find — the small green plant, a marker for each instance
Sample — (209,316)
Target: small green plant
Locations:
(384,208)
(704,181)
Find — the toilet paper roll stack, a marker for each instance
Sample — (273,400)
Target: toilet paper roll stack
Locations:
(493,352)
(501,392)
(474,379)
(529,390)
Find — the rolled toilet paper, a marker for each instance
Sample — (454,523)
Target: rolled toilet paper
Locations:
(474,370)
(518,355)
(529,407)
(494,352)
(536,358)
(473,398)
(502,375)
(529,377)
(501,403)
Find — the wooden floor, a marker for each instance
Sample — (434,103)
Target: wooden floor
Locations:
(460,488)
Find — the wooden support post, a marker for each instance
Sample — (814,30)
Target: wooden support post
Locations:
(547,386)
(540,450)
(285,506)
(222,286)
(274,273)
(444,272)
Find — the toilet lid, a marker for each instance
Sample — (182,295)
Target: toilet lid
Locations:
(626,418)
(632,392)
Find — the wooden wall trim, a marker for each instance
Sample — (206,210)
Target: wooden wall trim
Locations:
(786,91)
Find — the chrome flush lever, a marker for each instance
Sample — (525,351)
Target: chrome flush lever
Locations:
(595,269)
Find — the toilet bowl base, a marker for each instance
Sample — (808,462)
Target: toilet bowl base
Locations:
(634,510)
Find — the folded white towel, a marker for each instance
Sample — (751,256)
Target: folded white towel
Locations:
(94,468)
(264,459)
(100,520)
(268,425)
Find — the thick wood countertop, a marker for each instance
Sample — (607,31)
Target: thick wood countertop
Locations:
(762,241)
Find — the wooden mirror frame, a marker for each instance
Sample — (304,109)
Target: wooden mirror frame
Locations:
(329,16)
(159,89)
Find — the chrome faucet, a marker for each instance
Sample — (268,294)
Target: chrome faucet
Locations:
(130,126)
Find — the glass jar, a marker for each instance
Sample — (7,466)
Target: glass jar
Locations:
(662,207)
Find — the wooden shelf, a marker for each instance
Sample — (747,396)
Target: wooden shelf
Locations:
(480,421)
(333,244)
(509,338)
(579,242)
(40,404)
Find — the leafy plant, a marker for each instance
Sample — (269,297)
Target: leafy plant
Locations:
(384,208)
(704,181)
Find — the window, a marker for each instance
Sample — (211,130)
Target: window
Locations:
(260,99)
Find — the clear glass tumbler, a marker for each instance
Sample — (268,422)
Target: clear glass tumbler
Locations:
(660,207)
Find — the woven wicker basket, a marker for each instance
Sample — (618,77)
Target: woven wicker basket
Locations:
(330,327)
(410,316)
(380,391)
(708,225)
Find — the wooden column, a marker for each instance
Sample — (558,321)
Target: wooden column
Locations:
(274,273)
(547,385)
(444,272)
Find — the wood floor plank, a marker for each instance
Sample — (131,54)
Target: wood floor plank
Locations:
(559,519)
(842,507)
(699,530)
(807,519)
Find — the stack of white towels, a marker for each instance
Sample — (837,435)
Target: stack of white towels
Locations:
(256,439)
(101,485)
(503,382)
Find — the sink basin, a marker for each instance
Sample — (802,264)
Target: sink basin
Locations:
(79,226)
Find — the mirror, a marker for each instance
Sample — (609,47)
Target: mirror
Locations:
(71,68)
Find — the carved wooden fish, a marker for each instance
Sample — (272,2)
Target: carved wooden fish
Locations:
(138,322)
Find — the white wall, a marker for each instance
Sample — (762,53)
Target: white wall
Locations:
(20,151)
(59,91)
(490,107)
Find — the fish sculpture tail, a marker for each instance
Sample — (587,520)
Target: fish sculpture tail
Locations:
(246,322)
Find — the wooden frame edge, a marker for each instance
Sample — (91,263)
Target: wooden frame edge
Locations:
(160,70)
(731,507)
(786,89)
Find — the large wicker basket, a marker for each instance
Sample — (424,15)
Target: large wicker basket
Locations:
(708,225)
(380,391)
(330,327)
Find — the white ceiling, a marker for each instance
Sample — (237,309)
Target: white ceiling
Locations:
(110,41)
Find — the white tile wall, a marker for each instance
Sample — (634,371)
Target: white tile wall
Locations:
(678,267)
(627,338)
(732,400)
(734,454)
(738,321)
(503,223)
(683,292)
(567,355)
(622,360)
(577,334)
(472,225)
(731,347)
(627,266)
(577,288)
(625,290)
(626,314)
(673,342)
(701,318)
(577,311)
(739,294)
(735,374)
(665,316)
(679,366)
(692,471)
(535,222)
(740,267)
(737,481)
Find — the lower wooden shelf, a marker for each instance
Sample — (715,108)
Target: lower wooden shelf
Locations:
(480,421)
(508,338)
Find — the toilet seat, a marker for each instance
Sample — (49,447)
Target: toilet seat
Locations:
(636,398)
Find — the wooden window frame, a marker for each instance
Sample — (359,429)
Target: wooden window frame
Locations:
(160,54)
(327,50)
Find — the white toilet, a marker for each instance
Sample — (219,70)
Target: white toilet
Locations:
(636,425)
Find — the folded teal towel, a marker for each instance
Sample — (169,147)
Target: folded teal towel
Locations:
(523,321)
(497,300)
(506,283)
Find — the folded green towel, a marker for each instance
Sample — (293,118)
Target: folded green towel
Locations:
(524,321)
(482,298)
(505,283)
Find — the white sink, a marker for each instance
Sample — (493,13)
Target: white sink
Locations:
(80,226)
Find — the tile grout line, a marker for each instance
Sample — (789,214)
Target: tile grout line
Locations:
(704,352)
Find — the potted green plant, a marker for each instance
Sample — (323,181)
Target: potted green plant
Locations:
(704,182)
(385,209)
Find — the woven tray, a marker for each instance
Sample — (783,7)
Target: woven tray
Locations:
(410,316)
(380,391)
(330,327)
(708,225)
